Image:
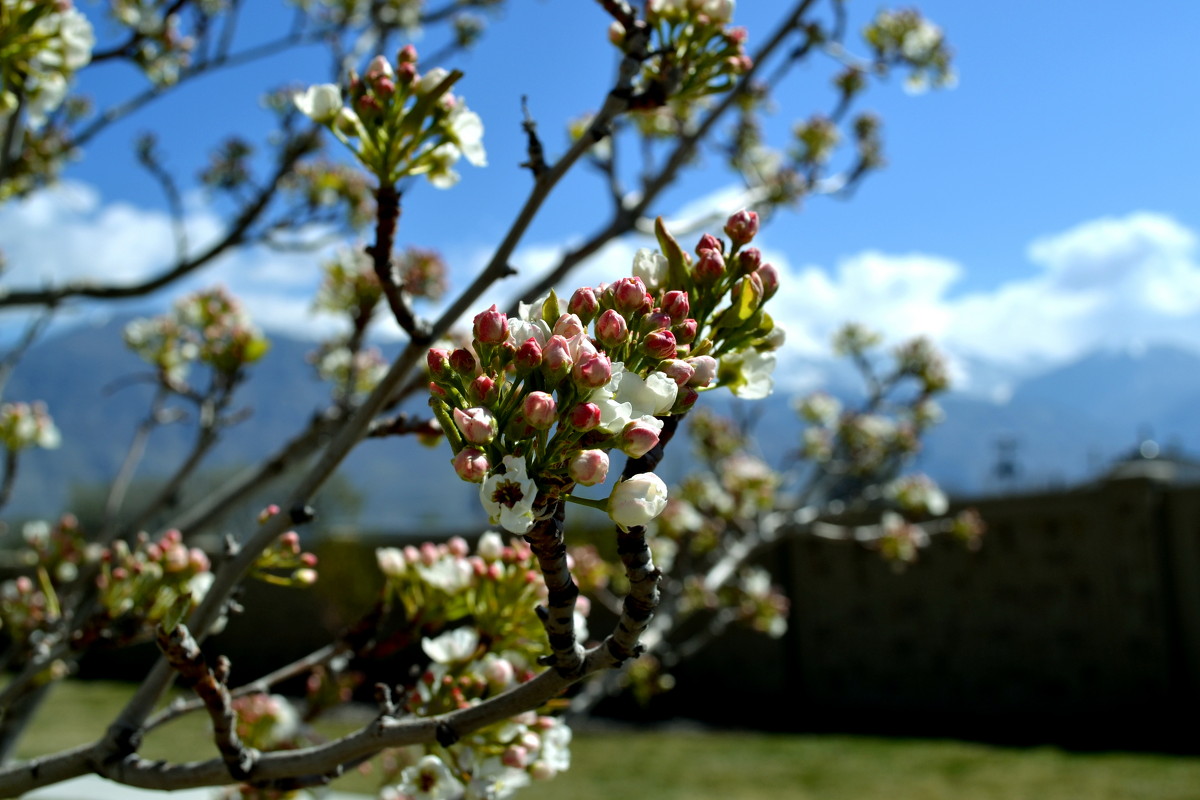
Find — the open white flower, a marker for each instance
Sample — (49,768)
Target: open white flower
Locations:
(492,780)
(452,646)
(448,574)
(430,779)
(466,128)
(508,497)
(628,397)
(652,267)
(320,103)
(749,374)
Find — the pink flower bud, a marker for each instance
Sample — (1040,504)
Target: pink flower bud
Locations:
(769,276)
(437,391)
(491,326)
(457,546)
(540,410)
(471,465)
(556,357)
(706,370)
(679,371)
(515,756)
(592,372)
(198,560)
(462,362)
(709,242)
(583,304)
(290,541)
(710,268)
(477,425)
(629,294)
(611,328)
(686,398)
(584,417)
(742,227)
(407,55)
(749,260)
(438,360)
(656,320)
(638,438)
(528,356)
(589,467)
(499,673)
(482,390)
(660,345)
(568,326)
(676,305)
(685,332)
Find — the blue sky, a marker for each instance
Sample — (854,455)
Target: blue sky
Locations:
(1045,207)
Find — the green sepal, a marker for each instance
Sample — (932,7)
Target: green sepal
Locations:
(678,276)
(550,309)
(175,614)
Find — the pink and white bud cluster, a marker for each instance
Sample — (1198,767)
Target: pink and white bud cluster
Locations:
(415,112)
(538,400)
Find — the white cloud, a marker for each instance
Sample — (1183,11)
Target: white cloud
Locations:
(1109,283)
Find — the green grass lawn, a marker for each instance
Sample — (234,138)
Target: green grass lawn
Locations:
(734,766)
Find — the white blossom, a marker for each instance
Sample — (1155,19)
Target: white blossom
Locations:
(508,498)
(321,103)
(452,646)
(638,500)
(652,267)
(466,128)
(429,779)
(448,574)
(754,379)
(628,397)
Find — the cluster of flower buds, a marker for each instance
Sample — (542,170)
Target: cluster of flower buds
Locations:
(266,721)
(753,599)
(469,663)
(905,37)
(534,404)
(43,45)
(349,285)
(162,51)
(399,122)
(209,327)
(150,582)
(284,562)
(695,54)
(25,425)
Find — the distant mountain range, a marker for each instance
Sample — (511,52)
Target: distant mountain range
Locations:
(1058,427)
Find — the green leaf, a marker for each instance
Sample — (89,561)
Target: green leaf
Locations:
(175,614)
(678,276)
(550,309)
